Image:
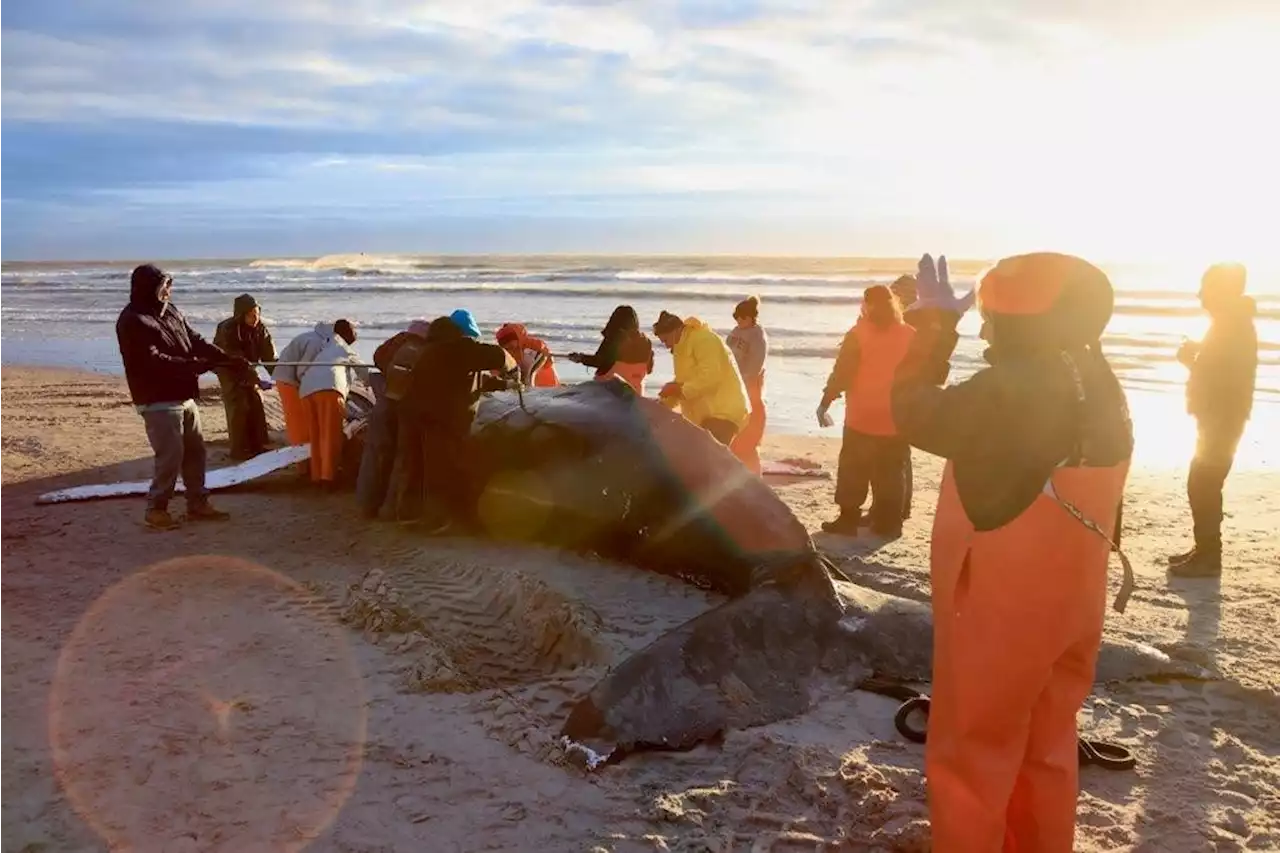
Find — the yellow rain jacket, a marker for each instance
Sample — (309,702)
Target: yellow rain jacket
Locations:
(710,384)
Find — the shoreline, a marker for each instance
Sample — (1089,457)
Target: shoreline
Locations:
(429,763)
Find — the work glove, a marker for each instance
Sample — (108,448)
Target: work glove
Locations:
(671,389)
(575,357)
(824,415)
(934,290)
(266,384)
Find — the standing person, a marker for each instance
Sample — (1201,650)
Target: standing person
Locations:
(436,418)
(303,348)
(245,335)
(904,287)
(750,347)
(1038,447)
(1223,372)
(707,387)
(163,358)
(529,352)
(324,388)
(872,452)
(394,359)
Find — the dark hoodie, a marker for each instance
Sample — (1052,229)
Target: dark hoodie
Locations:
(622,341)
(448,378)
(163,356)
(253,343)
(1224,374)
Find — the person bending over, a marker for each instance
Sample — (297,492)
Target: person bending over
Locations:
(437,414)
(707,388)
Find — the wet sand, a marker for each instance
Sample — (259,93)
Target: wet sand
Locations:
(298,677)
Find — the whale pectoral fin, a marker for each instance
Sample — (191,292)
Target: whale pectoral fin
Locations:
(748,662)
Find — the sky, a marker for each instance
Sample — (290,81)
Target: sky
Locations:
(1120,129)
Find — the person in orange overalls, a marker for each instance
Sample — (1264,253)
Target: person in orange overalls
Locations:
(750,347)
(872,453)
(526,350)
(1037,448)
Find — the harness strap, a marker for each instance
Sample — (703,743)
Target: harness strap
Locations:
(1128,584)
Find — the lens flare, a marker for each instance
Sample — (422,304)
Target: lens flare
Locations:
(209,699)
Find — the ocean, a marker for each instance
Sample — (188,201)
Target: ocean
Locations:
(63,314)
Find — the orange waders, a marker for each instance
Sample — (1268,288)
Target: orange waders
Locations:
(746,446)
(326,413)
(1018,617)
(297,427)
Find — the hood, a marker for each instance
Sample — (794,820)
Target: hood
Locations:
(324,330)
(443,329)
(144,286)
(694,324)
(464,320)
(420,328)
(511,331)
(243,305)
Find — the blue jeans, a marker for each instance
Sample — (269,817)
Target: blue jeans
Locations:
(174,432)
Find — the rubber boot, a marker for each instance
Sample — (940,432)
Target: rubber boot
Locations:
(1203,564)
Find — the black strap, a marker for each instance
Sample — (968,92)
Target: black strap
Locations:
(1099,753)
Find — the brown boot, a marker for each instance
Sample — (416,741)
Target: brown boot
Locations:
(203,511)
(159,519)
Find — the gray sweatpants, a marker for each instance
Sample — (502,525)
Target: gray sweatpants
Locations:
(174,432)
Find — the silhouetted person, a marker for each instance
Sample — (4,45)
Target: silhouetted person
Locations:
(245,335)
(1220,389)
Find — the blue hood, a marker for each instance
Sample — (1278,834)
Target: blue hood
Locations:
(463,320)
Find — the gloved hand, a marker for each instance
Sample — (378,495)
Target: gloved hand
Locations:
(671,389)
(266,384)
(576,357)
(239,362)
(201,365)
(934,290)
(824,416)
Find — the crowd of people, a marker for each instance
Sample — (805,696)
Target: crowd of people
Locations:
(1037,446)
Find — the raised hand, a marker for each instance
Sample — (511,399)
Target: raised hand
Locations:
(934,290)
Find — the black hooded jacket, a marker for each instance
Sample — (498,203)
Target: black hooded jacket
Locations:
(1223,377)
(450,376)
(163,356)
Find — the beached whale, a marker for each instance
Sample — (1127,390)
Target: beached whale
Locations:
(595,467)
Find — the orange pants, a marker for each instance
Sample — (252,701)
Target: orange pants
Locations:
(746,446)
(1015,646)
(297,423)
(326,412)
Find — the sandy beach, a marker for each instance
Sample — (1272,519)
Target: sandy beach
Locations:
(297,677)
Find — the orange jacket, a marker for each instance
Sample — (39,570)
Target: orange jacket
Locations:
(863,373)
(531,348)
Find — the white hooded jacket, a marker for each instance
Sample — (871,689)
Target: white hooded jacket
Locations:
(305,347)
(316,378)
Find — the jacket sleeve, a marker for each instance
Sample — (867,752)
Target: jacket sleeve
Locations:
(604,356)
(138,348)
(478,357)
(844,369)
(202,349)
(946,421)
(268,354)
(705,368)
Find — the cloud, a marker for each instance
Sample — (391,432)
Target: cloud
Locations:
(185,123)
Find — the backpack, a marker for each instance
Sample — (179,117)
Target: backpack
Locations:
(400,371)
